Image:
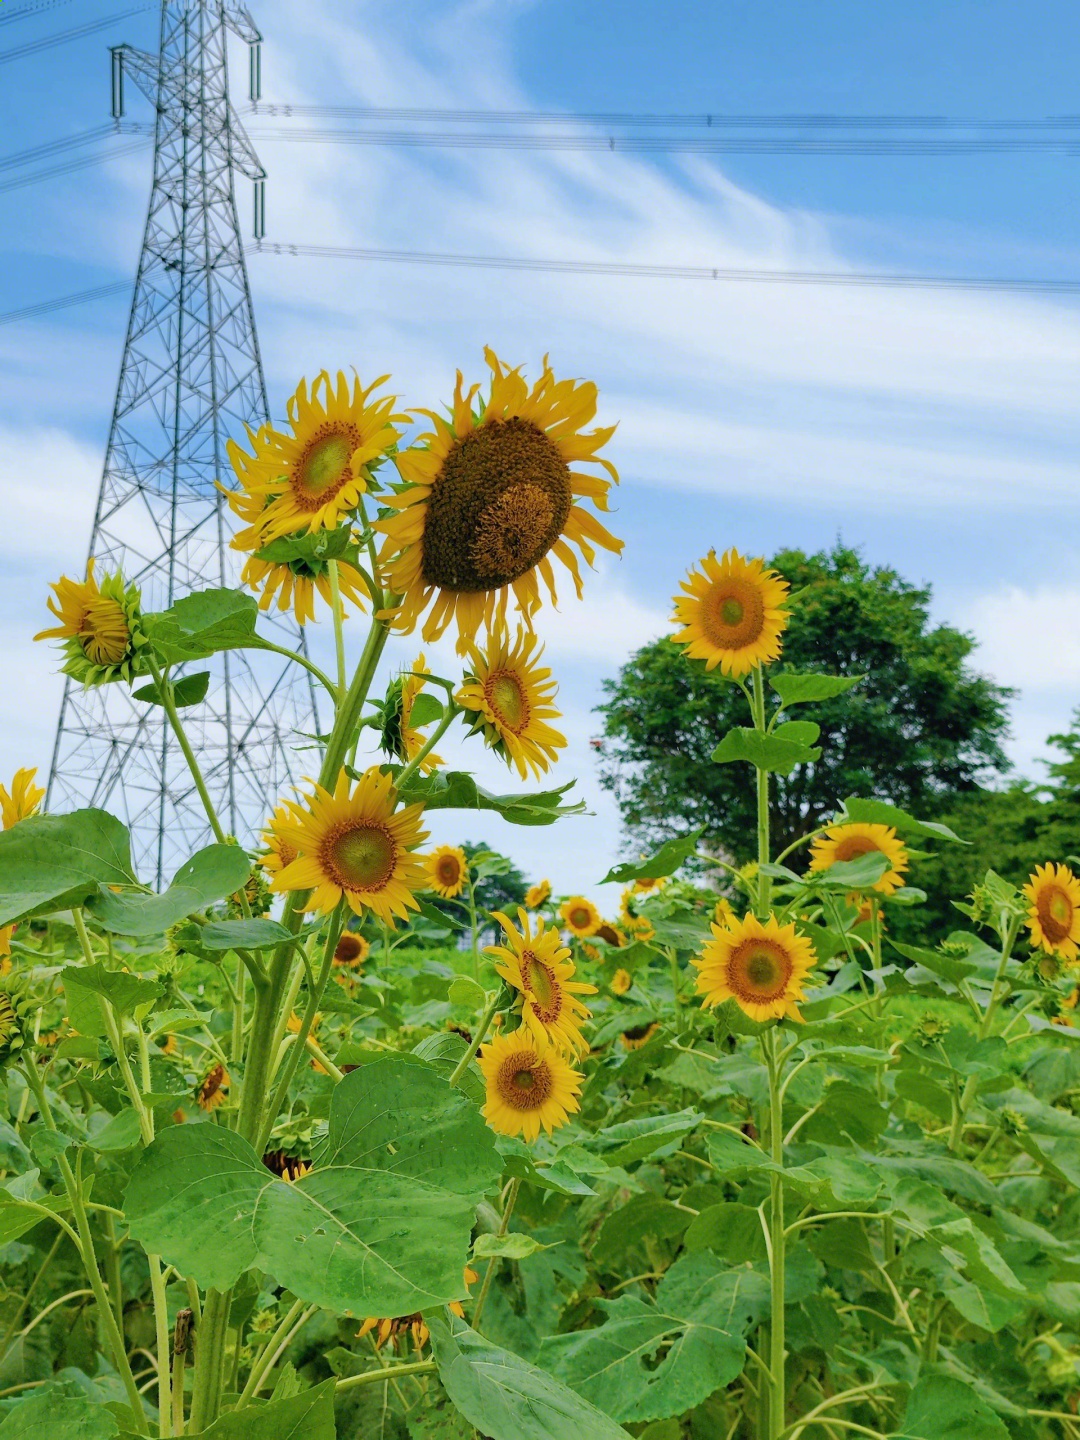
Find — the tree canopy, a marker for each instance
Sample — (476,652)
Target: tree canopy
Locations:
(922,728)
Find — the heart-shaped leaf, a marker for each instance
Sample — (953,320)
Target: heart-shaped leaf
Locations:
(207,877)
(767,752)
(665,861)
(201,624)
(54,862)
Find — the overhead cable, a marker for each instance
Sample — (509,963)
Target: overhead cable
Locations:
(32,47)
(25,11)
(80,162)
(44,307)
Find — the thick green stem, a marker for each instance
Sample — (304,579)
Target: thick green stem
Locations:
(209,1359)
(164,1345)
(1008,940)
(478,1040)
(762,777)
(778,1239)
(265,1359)
(339,631)
(371,1377)
(489,1273)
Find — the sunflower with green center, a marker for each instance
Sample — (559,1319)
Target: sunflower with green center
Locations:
(540,967)
(580,916)
(537,895)
(310,479)
(529,1085)
(761,966)
(731,613)
(400,738)
(351,844)
(510,696)
(100,626)
(848,842)
(447,871)
(1054,916)
(490,498)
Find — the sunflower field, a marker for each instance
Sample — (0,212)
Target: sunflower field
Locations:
(315,1144)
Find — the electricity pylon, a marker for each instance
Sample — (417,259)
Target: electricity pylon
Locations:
(191,376)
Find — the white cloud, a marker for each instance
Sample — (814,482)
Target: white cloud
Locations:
(1029,638)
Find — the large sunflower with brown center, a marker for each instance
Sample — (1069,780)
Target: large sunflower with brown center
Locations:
(1054,916)
(529,1085)
(580,916)
(731,613)
(491,498)
(352,844)
(848,842)
(447,871)
(761,966)
(510,696)
(309,479)
(540,967)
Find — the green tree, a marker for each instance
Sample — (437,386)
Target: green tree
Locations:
(920,729)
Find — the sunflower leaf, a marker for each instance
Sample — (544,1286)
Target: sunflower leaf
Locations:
(245,935)
(805,689)
(878,812)
(859,874)
(187,690)
(201,624)
(774,753)
(380,1225)
(54,862)
(457,790)
(671,855)
(209,876)
(85,986)
(943,1408)
(59,1416)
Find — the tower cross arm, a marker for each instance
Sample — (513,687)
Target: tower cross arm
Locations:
(240,23)
(143,68)
(242,151)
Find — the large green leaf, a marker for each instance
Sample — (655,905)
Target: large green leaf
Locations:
(187,690)
(943,1408)
(457,790)
(778,754)
(52,862)
(307,1416)
(244,935)
(17,1217)
(202,624)
(804,689)
(879,812)
(505,1397)
(702,1312)
(634,1139)
(381,1224)
(86,985)
(665,861)
(209,876)
(57,1416)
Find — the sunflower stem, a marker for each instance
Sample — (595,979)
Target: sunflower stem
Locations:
(481,1035)
(1008,940)
(777,1339)
(489,1274)
(421,755)
(762,776)
(320,675)
(165,691)
(339,629)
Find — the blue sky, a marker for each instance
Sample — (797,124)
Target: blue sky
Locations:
(936,430)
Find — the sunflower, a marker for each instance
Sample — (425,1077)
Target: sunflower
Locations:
(529,1085)
(295,1024)
(759,966)
(540,967)
(6,932)
(414,1325)
(213,1089)
(621,982)
(848,842)
(100,626)
(724,911)
(537,895)
(731,615)
(649,886)
(309,480)
(511,696)
(1054,916)
(490,497)
(580,916)
(641,927)
(447,871)
(286,1166)
(611,935)
(354,845)
(167,1045)
(280,851)
(295,584)
(351,950)
(639,1035)
(22,800)
(399,736)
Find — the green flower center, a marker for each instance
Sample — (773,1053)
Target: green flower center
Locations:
(361,857)
(507,698)
(324,466)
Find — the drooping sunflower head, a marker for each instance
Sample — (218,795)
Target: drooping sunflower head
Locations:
(732,613)
(529,1085)
(353,843)
(1054,915)
(401,735)
(621,982)
(447,871)
(490,496)
(537,894)
(759,965)
(848,842)
(610,934)
(510,693)
(539,966)
(100,626)
(311,477)
(639,1035)
(22,800)
(213,1089)
(296,568)
(351,950)
(580,916)
(414,1327)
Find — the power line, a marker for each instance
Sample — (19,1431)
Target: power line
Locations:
(674,272)
(682,145)
(81,162)
(671,121)
(45,307)
(69,142)
(25,11)
(76,33)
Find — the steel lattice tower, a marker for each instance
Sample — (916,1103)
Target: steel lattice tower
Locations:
(191,376)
